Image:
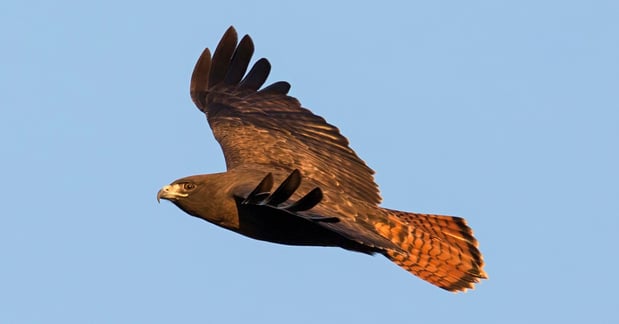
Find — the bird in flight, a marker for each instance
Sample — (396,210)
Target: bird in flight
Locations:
(292,178)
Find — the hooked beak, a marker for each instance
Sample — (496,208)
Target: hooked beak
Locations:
(170,192)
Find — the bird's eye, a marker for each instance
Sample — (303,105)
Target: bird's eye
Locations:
(189,186)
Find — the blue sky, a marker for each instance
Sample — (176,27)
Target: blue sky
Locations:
(503,113)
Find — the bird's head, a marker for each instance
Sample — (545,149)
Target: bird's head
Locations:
(186,193)
(202,196)
(177,190)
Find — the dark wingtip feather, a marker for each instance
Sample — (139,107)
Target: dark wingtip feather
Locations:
(286,189)
(199,77)
(280,87)
(257,75)
(222,55)
(307,202)
(240,61)
(262,189)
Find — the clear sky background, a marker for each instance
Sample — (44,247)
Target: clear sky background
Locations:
(505,113)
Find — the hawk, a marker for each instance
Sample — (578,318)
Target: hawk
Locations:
(292,178)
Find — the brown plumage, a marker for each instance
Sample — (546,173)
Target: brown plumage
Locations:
(292,178)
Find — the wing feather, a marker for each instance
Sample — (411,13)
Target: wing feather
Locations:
(256,76)
(240,61)
(222,56)
(280,87)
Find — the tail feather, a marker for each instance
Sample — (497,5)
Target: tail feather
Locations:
(441,249)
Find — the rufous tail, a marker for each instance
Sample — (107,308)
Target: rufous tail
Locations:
(440,249)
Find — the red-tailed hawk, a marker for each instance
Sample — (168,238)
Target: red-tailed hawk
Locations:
(292,178)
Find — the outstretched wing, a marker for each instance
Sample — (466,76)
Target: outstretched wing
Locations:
(269,128)
(271,215)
